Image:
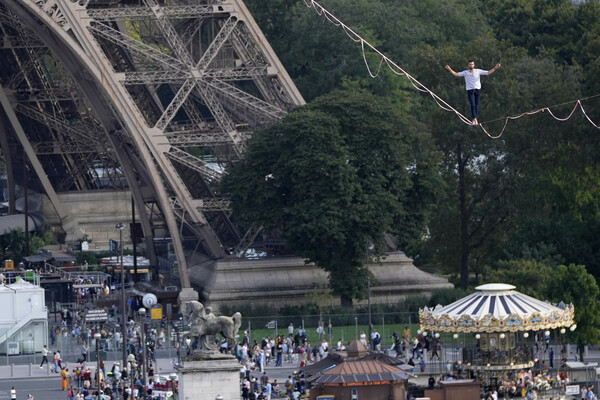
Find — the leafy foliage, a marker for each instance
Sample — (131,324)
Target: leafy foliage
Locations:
(573,284)
(334,176)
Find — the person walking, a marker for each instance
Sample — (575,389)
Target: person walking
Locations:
(44,356)
(472,77)
(54,363)
(58,359)
(64,382)
(84,352)
(13,393)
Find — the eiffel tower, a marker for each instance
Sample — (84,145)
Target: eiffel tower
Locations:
(157,97)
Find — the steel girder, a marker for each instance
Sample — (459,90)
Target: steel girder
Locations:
(150,88)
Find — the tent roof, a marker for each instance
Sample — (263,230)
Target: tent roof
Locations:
(496,307)
(45,255)
(360,371)
(327,362)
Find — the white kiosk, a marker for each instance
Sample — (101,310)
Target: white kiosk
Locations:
(24,318)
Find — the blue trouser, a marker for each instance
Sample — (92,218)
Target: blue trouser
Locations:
(474,100)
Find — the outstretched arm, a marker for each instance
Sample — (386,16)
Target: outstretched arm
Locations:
(451,71)
(491,71)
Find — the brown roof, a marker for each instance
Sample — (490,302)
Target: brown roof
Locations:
(361,367)
(384,358)
(360,371)
(356,349)
(327,362)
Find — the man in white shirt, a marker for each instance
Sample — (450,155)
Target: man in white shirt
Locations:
(473,85)
(44,356)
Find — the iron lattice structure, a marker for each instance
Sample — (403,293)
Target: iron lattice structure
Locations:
(145,94)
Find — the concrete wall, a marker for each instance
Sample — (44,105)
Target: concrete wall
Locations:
(290,280)
(97,213)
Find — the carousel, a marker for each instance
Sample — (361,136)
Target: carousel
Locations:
(502,337)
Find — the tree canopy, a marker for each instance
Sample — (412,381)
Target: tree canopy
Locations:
(334,176)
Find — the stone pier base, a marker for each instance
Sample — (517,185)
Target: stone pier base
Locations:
(206,377)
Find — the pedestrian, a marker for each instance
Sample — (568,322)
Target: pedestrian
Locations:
(44,356)
(289,386)
(54,363)
(363,338)
(84,351)
(279,352)
(64,382)
(376,339)
(71,393)
(59,359)
(268,391)
(590,393)
(13,393)
(473,84)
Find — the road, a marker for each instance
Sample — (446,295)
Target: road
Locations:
(44,385)
(40,388)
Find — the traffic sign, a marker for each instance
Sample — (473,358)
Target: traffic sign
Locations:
(572,389)
(156,312)
(149,300)
(96,316)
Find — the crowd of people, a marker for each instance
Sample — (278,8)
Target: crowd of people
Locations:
(113,381)
(293,348)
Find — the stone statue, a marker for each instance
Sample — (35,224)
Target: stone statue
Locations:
(204,326)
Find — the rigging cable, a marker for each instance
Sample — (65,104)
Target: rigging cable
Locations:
(577,105)
(320,10)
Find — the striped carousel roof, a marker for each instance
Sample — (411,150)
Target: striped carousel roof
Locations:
(496,307)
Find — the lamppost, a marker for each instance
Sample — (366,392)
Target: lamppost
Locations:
(97,337)
(370,247)
(120,228)
(172,380)
(142,312)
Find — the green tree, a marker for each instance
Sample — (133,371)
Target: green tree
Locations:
(573,284)
(13,243)
(527,275)
(333,176)
(36,242)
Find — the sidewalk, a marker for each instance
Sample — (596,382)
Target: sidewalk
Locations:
(29,371)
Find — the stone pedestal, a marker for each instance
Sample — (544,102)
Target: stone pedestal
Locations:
(203,377)
(185,295)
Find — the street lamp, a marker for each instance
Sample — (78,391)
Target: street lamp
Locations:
(120,228)
(132,368)
(97,337)
(370,247)
(142,312)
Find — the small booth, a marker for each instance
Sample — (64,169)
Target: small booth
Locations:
(24,318)
(372,380)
